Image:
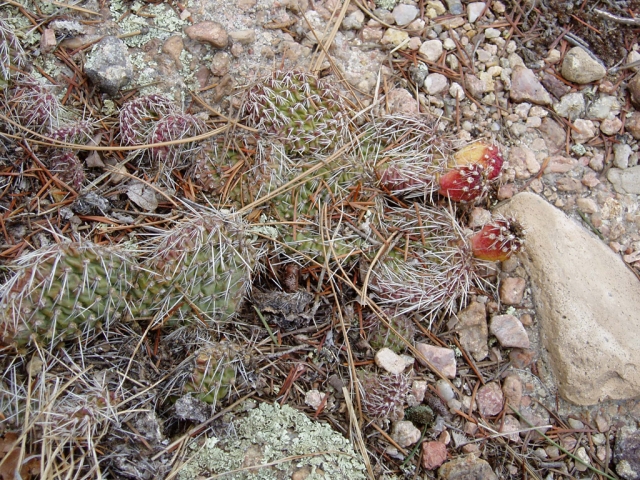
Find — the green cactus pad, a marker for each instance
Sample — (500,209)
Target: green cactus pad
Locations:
(214,372)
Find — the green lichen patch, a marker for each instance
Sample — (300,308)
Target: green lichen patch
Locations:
(263,443)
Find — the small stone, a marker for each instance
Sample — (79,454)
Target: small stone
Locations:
(438,7)
(512,290)
(433,455)
(571,106)
(579,67)
(512,390)
(511,427)
(555,87)
(506,191)
(621,154)
(523,160)
(435,83)
(456,91)
(431,50)
(48,40)
(353,21)
(490,399)
(521,358)
(632,125)
(560,164)
(108,65)
(455,7)
(602,423)
(244,37)
(611,126)
(490,33)
(525,87)
(509,331)
(314,398)
(587,205)
(596,162)
(449,44)
(475,86)
(568,184)
(212,33)
(625,181)
(583,462)
(394,37)
(404,433)
(605,106)
(173,47)
(585,131)
(418,389)
(372,34)
(390,361)
(405,14)
(401,102)
(473,331)
(474,10)
(443,359)
(479,217)
(220,64)
(466,467)
(553,56)
(444,390)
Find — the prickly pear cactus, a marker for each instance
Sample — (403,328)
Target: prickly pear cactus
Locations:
(299,110)
(380,336)
(214,372)
(63,291)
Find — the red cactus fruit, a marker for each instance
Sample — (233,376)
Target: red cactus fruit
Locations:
(481,153)
(463,183)
(497,240)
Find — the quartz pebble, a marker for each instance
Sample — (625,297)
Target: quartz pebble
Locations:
(474,10)
(435,83)
(431,50)
(473,331)
(405,14)
(390,361)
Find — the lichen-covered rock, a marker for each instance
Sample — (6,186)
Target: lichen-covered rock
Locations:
(108,65)
(269,435)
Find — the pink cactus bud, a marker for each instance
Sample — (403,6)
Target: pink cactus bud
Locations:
(481,153)
(463,183)
(498,240)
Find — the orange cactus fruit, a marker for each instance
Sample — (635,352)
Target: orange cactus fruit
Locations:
(463,183)
(497,240)
(481,153)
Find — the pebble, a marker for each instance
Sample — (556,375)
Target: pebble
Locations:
(634,88)
(444,390)
(625,181)
(605,106)
(353,21)
(456,91)
(48,40)
(220,64)
(401,102)
(521,358)
(596,162)
(525,87)
(444,359)
(585,462)
(474,10)
(449,44)
(571,106)
(490,33)
(455,7)
(523,160)
(314,398)
(509,331)
(579,67)
(511,427)
(173,47)
(475,86)
(394,37)
(568,184)
(212,33)
(479,217)
(587,205)
(405,14)
(512,290)
(431,50)
(108,65)
(585,131)
(621,154)
(611,126)
(632,125)
(433,455)
(372,34)
(404,433)
(466,466)
(244,37)
(560,164)
(436,83)
(418,389)
(490,399)
(512,390)
(625,453)
(473,331)
(390,361)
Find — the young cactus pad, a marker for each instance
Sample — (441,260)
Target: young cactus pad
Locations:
(214,372)
(61,291)
(299,110)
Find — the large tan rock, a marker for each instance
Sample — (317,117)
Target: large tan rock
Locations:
(587,301)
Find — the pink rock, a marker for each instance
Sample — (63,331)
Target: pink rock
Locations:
(525,87)
(521,358)
(473,331)
(512,290)
(433,455)
(511,426)
(490,399)
(444,359)
(611,126)
(568,184)
(509,331)
(512,390)
(401,102)
(560,164)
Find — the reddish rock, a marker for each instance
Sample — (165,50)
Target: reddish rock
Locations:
(433,455)
(525,87)
(521,358)
(512,390)
(632,125)
(509,331)
(212,33)
(444,359)
(512,290)
(490,399)
(473,331)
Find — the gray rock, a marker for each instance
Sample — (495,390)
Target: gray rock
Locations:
(509,331)
(473,331)
(626,454)
(455,6)
(431,49)
(587,304)
(108,65)
(466,467)
(579,67)
(435,83)
(571,106)
(353,21)
(625,181)
(444,359)
(605,106)
(490,399)
(474,10)
(405,14)
(621,154)
(525,87)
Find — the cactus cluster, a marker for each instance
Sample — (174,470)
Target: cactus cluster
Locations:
(383,396)
(11,52)
(214,372)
